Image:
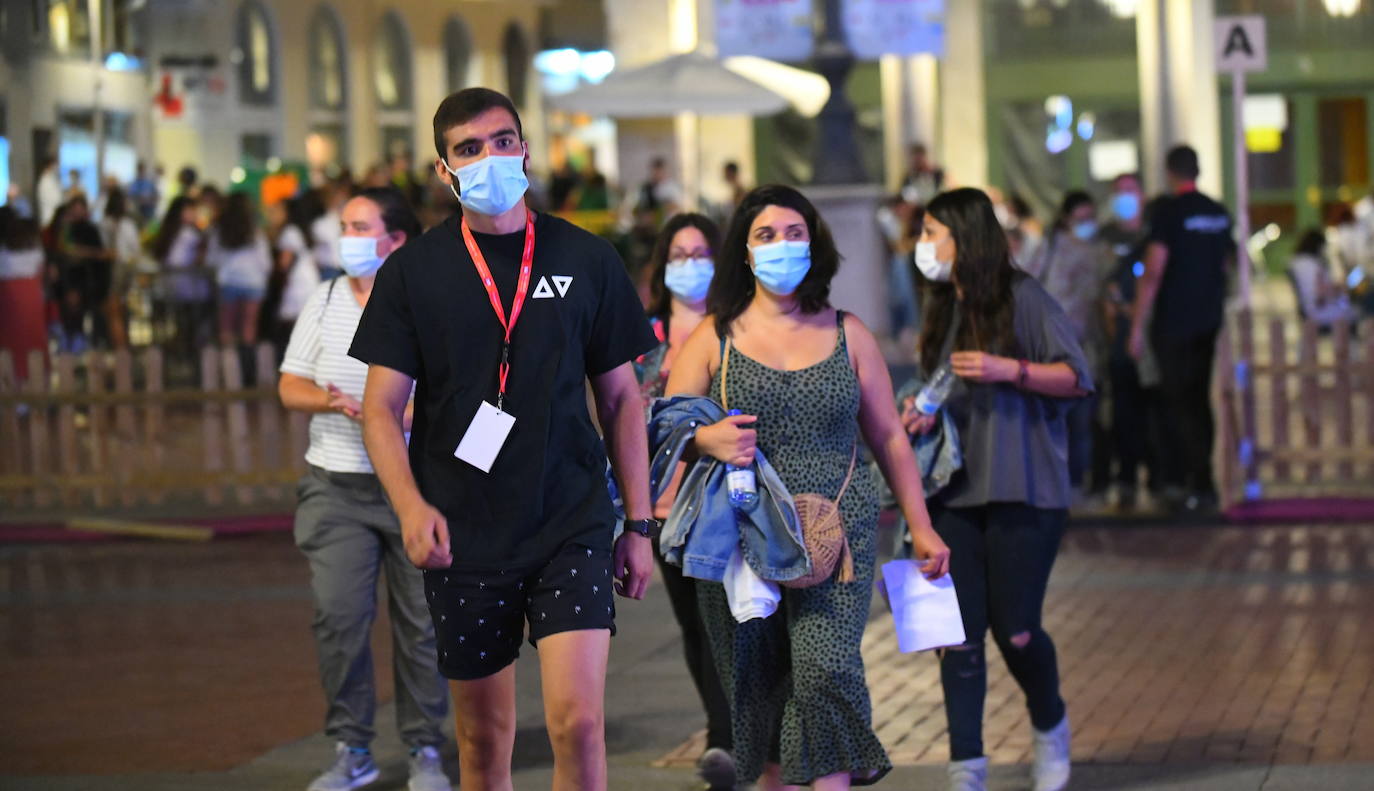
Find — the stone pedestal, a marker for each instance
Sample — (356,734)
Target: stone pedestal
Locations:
(861,284)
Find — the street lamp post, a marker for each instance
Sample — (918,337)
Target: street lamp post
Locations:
(836,159)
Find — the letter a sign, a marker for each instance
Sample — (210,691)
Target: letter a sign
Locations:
(1240,43)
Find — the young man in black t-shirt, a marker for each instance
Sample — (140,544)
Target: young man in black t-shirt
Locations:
(499,316)
(1181,294)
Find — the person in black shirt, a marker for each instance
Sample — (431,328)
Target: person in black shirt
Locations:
(1181,295)
(1134,397)
(511,523)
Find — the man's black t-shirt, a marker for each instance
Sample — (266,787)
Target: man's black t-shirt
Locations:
(1197,232)
(429,317)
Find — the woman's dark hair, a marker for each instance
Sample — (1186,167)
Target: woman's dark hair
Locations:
(1072,200)
(303,211)
(395,209)
(116,204)
(660,298)
(171,226)
(1312,242)
(983,274)
(733,286)
(238,223)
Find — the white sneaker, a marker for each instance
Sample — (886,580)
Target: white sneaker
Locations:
(970,775)
(427,771)
(350,770)
(1052,762)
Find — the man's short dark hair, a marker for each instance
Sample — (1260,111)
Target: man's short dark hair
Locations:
(731,167)
(1182,162)
(658,163)
(465,105)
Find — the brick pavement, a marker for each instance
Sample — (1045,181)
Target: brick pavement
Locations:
(1182,649)
(1176,646)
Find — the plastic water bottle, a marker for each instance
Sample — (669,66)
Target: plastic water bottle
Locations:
(740,483)
(936,391)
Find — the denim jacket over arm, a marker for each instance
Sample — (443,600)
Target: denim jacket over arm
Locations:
(703,528)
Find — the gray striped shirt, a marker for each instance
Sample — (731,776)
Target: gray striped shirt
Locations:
(318,351)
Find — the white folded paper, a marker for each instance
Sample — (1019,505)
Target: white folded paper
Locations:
(926,612)
(750,596)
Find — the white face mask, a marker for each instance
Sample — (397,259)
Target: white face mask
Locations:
(930,266)
(358,255)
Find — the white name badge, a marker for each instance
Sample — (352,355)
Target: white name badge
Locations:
(485,436)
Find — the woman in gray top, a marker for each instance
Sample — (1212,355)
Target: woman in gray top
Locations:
(1020,370)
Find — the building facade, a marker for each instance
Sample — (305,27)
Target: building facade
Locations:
(221,84)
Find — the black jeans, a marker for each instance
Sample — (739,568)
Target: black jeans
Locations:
(1186,430)
(1001,555)
(682,594)
(1135,418)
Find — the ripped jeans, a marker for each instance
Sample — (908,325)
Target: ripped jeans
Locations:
(1000,557)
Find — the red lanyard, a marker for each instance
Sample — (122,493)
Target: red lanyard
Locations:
(522,288)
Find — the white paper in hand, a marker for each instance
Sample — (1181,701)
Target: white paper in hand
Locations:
(485,436)
(926,612)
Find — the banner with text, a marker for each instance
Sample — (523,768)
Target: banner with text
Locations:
(773,29)
(874,28)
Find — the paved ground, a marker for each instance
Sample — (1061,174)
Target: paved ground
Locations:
(1194,658)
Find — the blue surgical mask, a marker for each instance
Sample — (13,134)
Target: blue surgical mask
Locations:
(1126,205)
(492,185)
(689,280)
(1085,230)
(781,266)
(358,256)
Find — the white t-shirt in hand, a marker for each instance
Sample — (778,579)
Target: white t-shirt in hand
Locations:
(245,267)
(303,277)
(318,351)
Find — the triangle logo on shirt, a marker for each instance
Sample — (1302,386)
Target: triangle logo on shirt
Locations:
(562,283)
(542,291)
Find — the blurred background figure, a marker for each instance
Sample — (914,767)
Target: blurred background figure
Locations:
(145,194)
(1320,298)
(1071,264)
(83,274)
(923,179)
(178,249)
(1132,413)
(238,253)
(23,328)
(120,234)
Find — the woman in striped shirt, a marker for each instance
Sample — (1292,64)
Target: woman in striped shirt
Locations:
(346,527)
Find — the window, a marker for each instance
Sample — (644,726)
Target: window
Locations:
(327,63)
(391,64)
(255,56)
(518,56)
(121,28)
(255,149)
(457,53)
(68,26)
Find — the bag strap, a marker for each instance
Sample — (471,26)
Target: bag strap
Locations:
(724,370)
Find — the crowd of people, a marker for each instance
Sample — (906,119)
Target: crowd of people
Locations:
(453,448)
(451,433)
(194,265)
(1143,282)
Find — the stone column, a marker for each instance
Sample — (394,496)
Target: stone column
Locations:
(1179,94)
(963,150)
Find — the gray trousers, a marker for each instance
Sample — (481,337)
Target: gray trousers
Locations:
(348,531)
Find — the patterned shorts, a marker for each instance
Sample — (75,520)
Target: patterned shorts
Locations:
(480,613)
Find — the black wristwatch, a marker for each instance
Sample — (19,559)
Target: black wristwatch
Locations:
(645,527)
